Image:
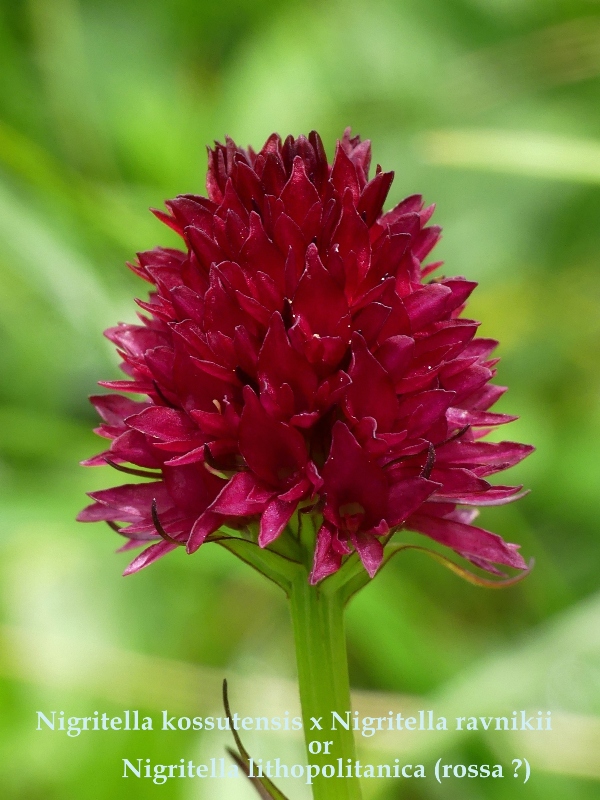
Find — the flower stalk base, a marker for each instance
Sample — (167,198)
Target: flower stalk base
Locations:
(318,622)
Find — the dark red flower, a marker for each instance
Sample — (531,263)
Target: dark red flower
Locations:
(292,354)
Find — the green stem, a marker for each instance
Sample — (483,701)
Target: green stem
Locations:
(318,620)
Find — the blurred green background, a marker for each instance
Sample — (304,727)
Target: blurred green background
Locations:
(491,108)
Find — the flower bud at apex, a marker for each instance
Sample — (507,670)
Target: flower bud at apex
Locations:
(292,355)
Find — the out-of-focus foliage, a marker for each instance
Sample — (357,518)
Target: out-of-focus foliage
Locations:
(491,108)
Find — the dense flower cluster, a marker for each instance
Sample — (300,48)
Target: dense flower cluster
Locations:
(292,354)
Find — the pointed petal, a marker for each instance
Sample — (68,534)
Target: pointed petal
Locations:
(326,559)
(149,556)
(371,393)
(370,550)
(469,539)
(274,519)
(274,451)
(406,496)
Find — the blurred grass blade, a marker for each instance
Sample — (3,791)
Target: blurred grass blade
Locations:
(266,788)
(62,57)
(108,209)
(542,155)
(262,792)
(50,267)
